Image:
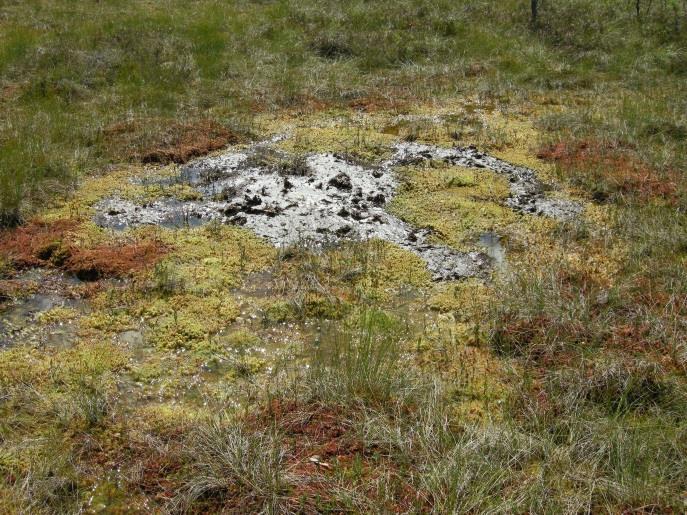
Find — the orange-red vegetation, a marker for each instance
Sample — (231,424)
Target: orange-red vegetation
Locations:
(172,143)
(321,442)
(615,166)
(113,260)
(36,243)
(51,244)
(374,103)
(317,430)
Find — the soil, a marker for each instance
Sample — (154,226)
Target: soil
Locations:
(327,198)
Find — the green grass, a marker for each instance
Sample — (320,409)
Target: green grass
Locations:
(359,363)
(582,444)
(583,405)
(69,71)
(232,463)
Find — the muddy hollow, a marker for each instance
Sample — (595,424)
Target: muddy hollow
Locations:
(320,198)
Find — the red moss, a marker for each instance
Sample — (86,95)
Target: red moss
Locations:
(51,244)
(326,432)
(304,103)
(35,244)
(616,167)
(315,430)
(157,475)
(172,142)
(374,103)
(113,260)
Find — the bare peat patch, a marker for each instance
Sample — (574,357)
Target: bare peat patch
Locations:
(324,198)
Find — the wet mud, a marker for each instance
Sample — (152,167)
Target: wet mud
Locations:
(323,198)
(27,319)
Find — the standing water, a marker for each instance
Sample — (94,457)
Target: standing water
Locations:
(494,248)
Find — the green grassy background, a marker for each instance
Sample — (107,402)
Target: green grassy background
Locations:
(69,70)
(592,416)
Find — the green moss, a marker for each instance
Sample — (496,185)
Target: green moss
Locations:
(167,418)
(242,341)
(19,365)
(179,332)
(247,366)
(317,305)
(56,315)
(107,495)
(138,184)
(216,257)
(39,368)
(106,321)
(182,333)
(458,204)
(185,299)
(92,359)
(466,300)
(148,372)
(215,310)
(47,391)
(391,267)
(370,269)
(278,311)
(355,139)
(187,321)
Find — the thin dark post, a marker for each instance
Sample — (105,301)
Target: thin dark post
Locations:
(535,7)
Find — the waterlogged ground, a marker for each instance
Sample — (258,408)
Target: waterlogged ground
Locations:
(323,198)
(174,291)
(259,245)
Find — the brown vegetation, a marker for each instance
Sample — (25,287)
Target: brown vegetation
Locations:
(322,444)
(10,91)
(615,166)
(374,103)
(172,142)
(113,260)
(36,243)
(314,430)
(49,244)
(10,289)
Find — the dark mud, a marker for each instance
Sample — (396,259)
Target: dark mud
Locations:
(322,198)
